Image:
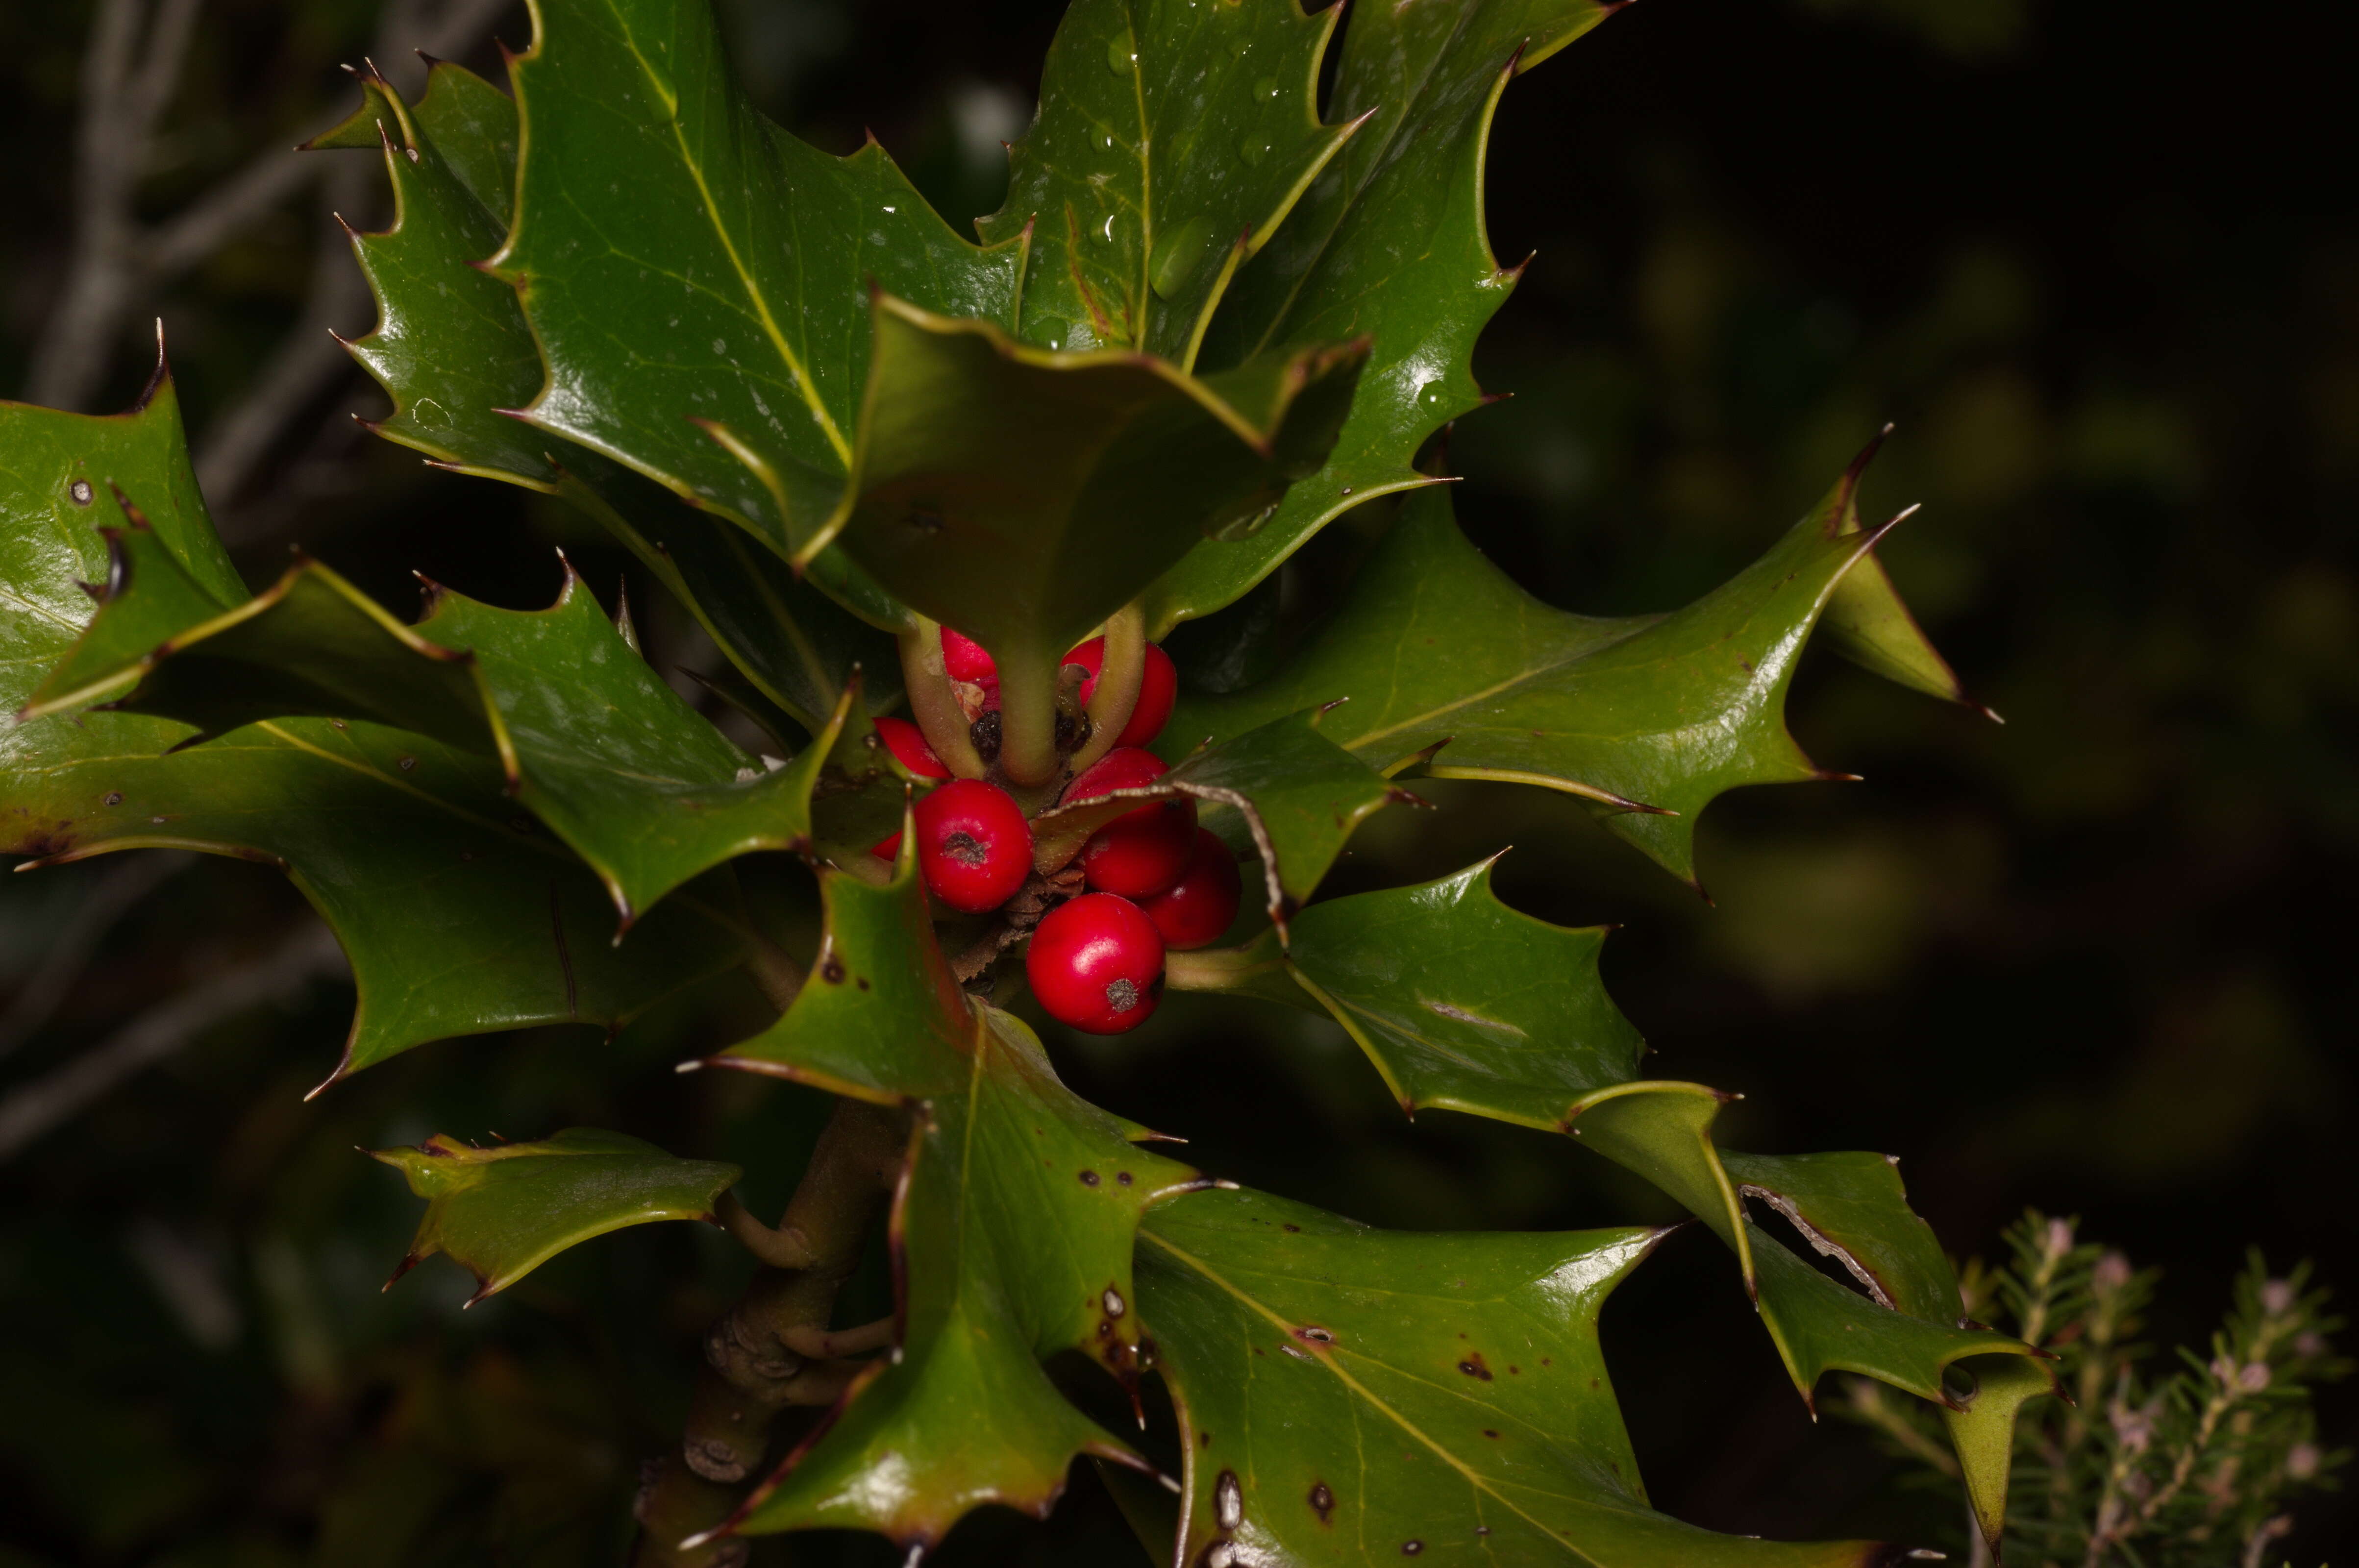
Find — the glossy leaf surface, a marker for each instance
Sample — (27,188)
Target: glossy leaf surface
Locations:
(1866,620)
(1646,719)
(452,349)
(1356,1396)
(1012,1232)
(502,1212)
(456,915)
(696,278)
(1024,496)
(1388,241)
(1852,1207)
(1463,1003)
(1170,140)
(647,790)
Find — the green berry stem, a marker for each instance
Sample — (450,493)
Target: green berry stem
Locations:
(1119,676)
(932,704)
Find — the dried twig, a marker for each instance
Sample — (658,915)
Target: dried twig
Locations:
(55,971)
(117,265)
(278,976)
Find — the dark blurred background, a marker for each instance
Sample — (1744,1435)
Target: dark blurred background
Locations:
(2101,265)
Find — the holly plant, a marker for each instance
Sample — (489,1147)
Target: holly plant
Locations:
(939,498)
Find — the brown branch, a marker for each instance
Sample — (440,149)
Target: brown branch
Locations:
(773,1350)
(164,1029)
(115,265)
(62,963)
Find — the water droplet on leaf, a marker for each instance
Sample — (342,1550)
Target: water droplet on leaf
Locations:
(1254,151)
(1266,88)
(1178,254)
(1120,56)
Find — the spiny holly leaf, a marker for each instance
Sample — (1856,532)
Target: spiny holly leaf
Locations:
(1865,621)
(472,123)
(502,1212)
(1172,138)
(699,279)
(1467,1004)
(1820,1326)
(647,792)
(1282,792)
(1012,1235)
(1981,1419)
(1646,719)
(1025,496)
(1463,1003)
(458,917)
(1388,241)
(1852,1207)
(452,349)
(1354,1396)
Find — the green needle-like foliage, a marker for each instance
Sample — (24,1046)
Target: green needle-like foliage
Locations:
(1207,321)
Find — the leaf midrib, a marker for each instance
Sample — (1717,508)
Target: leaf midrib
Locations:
(1478,1482)
(802,380)
(1302,278)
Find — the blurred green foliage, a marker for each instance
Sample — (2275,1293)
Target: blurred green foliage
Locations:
(2103,273)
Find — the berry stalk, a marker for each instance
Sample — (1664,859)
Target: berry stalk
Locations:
(932,703)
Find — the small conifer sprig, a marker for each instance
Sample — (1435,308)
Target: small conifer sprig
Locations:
(2197,1465)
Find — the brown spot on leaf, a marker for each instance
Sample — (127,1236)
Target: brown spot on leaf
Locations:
(1323,1501)
(115,797)
(1473,1367)
(1089,1178)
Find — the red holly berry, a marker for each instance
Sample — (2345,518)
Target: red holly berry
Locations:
(908,744)
(967,659)
(1194,910)
(1141,853)
(974,845)
(1097,964)
(1159,686)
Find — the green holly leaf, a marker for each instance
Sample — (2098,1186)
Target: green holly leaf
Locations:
(458,916)
(1024,496)
(1645,719)
(1981,1419)
(586,736)
(1012,1235)
(1852,1208)
(1172,138)
(1463,1003)
(696,278)
(1389,241)
(1865,621)
(452,350)
(1351,1395)
(475,126)
(1282,792)
(1467,1004)
(502,1212)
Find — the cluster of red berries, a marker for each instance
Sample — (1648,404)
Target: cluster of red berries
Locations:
(1157,881)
